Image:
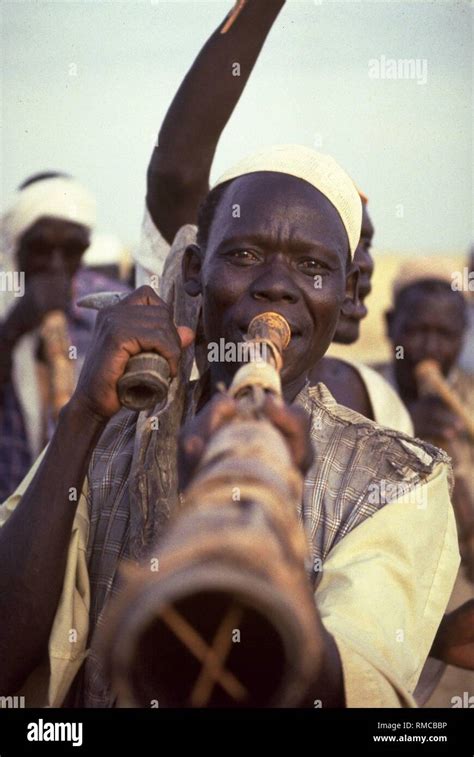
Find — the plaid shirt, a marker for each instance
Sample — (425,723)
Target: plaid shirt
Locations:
(15,455)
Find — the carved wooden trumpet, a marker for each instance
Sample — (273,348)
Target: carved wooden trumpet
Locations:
(431,380)
(221,612)
(56,343)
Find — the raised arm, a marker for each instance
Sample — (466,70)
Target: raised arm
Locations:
(178,173)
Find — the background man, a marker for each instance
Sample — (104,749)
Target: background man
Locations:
(44,237)
(428,321)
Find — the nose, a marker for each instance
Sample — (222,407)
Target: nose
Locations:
(431,346)
(57,260)
(275,285)
(366,263)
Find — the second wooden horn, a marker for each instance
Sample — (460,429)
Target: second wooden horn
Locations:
(146,379)
(56,343)
(430,379)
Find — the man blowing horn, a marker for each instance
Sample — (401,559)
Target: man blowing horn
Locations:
(388,564)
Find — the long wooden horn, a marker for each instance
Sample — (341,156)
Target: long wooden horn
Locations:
(430,379)
(221,611)
(56,344)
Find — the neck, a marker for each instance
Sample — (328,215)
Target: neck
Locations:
(323,371)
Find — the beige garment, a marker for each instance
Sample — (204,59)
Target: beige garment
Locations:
(48,685)
(376,569)
(151,253)
(440,682)
(405,556)
(454,681)
(387,407)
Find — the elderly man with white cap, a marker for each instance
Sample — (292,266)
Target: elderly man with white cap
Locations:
(389,561)
(44,246)
(43,237)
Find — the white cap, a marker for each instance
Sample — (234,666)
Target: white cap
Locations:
(319,170)
(59,197)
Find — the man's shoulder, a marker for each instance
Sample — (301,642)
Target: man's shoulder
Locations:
(343,432)
(359,468)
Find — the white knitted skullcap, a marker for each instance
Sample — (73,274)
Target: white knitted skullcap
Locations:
(59,196)
(319,170)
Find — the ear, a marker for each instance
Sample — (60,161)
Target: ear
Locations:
(351,296)
(191,270)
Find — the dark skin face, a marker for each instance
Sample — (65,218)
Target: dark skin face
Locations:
(428,326)
(49,253)
(348,328)
(266,260)
(52,245)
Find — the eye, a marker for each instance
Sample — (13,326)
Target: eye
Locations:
(75,247)
(311,266)
(447,334)
(242,257)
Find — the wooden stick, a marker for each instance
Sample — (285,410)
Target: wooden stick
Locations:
(215,658)
(192,640)
(235,12)
(430,378)
(55,336)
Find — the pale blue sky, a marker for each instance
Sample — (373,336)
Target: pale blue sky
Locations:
(403,142)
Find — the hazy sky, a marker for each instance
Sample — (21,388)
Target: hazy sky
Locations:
(85,86)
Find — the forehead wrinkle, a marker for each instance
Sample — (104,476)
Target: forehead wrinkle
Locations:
(277,243)
(277,233)
(431,314)
(289,209)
